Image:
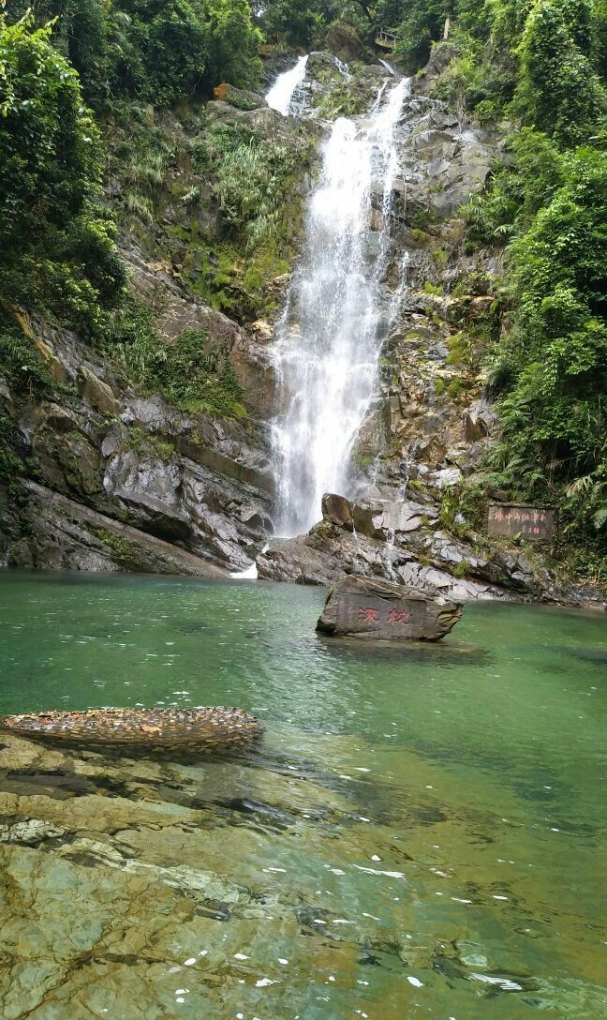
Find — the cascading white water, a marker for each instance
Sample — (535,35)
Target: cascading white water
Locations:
(337,314)
(388,67)
(280,95)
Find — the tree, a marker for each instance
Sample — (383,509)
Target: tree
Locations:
(233,43)
(155,50)
(559,89)
(56,246)
(555,409)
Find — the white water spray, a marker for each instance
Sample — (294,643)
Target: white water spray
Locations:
(337,314)
(388,66)
(251,572)
(280,95)
(343,68)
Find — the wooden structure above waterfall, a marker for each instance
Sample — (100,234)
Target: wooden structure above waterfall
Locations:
(386,38)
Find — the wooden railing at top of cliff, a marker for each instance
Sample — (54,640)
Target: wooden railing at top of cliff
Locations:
(386,38)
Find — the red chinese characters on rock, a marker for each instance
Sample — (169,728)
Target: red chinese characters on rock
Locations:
(368,615)
(529,522)
(399,616)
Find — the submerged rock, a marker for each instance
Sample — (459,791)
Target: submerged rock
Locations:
(150,729)
(364,608)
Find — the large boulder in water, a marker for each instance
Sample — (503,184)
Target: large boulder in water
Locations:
(364,608)
(148,729)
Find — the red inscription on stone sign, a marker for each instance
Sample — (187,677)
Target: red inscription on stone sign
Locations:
(531,522)
(399,616)
(369,615)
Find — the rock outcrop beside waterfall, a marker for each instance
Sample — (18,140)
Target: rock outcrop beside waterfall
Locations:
(113,478)
(130,483)
(402,542)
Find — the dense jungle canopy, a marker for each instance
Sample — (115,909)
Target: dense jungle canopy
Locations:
(70,70)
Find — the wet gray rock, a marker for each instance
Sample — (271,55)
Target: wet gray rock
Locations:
(479,421)
(322,67)
(97,392)
(429,578)
(198,484)
(295,560)
(383,519)
(372,609)
(337,510)
(242,99)
(377,518)
(63,534)
(416,552)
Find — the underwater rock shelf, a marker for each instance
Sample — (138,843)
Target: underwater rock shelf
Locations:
(150,729)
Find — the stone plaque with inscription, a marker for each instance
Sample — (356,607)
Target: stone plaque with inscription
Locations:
(530,522)
(368,608)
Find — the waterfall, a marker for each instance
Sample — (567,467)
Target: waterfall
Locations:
(337,314)
(387,66)
(280,95)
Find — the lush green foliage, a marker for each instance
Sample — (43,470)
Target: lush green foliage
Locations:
(551,366)
(24,369)
(294,23)
(10,464)
(22,364)
(252,180)
(154,50)
(548,205)
(194,372)
(229,199)
(559,91)
(56,245)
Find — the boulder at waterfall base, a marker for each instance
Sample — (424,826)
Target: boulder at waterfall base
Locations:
(372,609)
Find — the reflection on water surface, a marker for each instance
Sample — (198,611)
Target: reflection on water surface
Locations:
(421,834)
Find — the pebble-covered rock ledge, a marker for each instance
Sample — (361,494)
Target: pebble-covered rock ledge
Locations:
(151,729)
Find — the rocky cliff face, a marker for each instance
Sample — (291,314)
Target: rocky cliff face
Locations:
(116,478)
(120,482)
(431,423)
(113,476)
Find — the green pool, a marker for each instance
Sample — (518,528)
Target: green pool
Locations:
(420,834)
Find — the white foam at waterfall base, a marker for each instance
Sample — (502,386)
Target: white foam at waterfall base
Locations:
(337,314)
(249,573)
(280,95)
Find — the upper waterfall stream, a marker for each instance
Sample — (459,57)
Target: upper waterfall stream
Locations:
(280,95)
(337,313)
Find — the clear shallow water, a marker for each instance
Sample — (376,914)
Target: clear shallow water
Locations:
(422,833)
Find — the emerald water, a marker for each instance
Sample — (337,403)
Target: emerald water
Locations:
(420,834)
